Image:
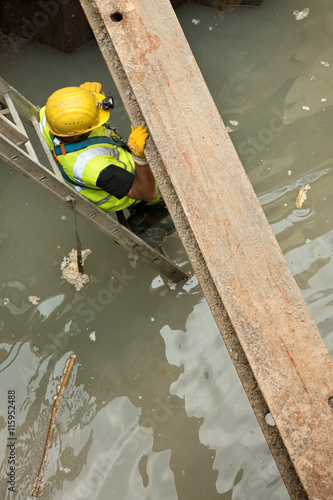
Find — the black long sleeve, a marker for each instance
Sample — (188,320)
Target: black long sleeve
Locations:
(115,180)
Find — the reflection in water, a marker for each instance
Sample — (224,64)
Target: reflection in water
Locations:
(208,389)
(47,307)
(153,408)
(312,90)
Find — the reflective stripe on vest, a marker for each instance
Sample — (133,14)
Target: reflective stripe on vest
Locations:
(90,154)
(42,124)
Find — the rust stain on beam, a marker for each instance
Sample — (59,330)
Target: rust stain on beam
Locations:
(248,274)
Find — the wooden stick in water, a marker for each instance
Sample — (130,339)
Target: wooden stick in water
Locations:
(35,490)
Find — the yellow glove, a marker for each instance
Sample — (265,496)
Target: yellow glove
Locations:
(137,141)
(93,87)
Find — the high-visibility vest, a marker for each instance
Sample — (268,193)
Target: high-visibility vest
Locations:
(81,163)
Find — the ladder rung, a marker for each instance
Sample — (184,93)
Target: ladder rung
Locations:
(19,124)
(12,132)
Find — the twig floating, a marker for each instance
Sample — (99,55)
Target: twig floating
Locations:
(37,484)
(301,196)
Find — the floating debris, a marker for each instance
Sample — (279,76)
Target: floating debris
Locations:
(63,217)
(195,21)
(92,336)
(235,123)
(229,129)
(308,240)
(38,481)
(325,63)
(5,301)
(299,15)
(289,172)
(312,78)
(302,196)
(306,108)
(323,99)
(70,271)
(172,285)
(152,319)
(66,470)
(34,300)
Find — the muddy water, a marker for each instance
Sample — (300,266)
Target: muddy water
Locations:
(153,408)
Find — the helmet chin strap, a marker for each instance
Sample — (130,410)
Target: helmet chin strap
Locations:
(74,138)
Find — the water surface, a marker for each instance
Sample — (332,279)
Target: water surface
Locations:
(154,408)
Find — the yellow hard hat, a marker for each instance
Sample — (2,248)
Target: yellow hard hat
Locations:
(74,110)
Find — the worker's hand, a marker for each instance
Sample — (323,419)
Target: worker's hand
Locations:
(93,87)
(137,141)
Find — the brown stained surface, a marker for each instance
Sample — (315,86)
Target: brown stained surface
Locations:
(283,346)
(214,301)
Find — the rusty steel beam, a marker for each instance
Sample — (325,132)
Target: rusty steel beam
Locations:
(272,339)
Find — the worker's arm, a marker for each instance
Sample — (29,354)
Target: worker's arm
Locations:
(144,184)
(120,182)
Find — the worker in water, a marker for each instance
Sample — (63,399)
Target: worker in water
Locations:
(99,165)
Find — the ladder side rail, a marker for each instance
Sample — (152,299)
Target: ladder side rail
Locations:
(30,114)
(47,150)
(24,107)
(19,124)
(41,176)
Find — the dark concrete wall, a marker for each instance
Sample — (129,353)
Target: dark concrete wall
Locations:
(62,24)
(177,3)
(58,23)
(224,4)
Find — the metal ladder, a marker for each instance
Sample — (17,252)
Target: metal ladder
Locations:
(13,138)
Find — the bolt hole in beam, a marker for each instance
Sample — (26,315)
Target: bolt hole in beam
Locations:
(116,17)
(330,401)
